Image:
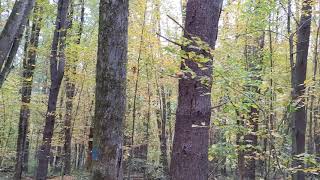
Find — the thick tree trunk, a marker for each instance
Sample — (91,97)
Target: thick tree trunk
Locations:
(57,62)
(312,113)
(190,146)
(110,90)
(29,65)
(300,116)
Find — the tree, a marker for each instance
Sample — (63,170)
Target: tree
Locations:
(70,93)
(110,90)
(300,71)
(29,64)
(57,63)
(11,35)
(190,146)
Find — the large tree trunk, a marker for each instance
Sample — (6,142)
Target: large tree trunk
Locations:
(11,35)
(29,64)
(313,110)
(300,116)
(190,146)
(57,62)
(110,90)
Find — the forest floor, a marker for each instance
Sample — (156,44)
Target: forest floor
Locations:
(76,176)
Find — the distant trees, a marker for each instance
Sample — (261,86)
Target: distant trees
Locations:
(244,105)
(110,96)
(190,144)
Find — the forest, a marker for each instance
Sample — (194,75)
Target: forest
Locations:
(159,90)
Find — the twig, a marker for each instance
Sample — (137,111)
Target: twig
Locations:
(175,21)
(291,14)
(167,39)
(219,105)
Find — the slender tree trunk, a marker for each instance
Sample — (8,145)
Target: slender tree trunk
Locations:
(70,93)
(89,152)
(161,114)
(246,160)
(300,116)
(148,117)
(110,90)
(57,62)
(190,146)
(29,65)
(26,148)
(134,110)
(163,136)
(169,120)
(291,46)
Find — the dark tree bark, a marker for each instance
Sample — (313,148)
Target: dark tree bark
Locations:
(57,63)
(190,146)
(70,93)
(11,36)
(110,90)
(316,132)
(29,64)
(300,69)
(312,113)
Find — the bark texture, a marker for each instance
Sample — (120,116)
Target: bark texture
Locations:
(110,90)
(29,64)
(11,36)
(57,63)
(300,69)
(190,146)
